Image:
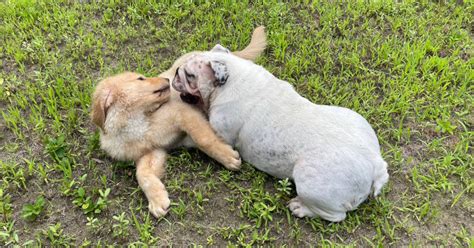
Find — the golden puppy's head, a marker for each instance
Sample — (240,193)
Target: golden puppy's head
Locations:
(126,95)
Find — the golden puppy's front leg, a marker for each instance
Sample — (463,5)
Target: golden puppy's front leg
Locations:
(198,128)
(150,168)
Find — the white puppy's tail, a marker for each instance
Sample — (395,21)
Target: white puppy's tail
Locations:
(257,45)
(380,178)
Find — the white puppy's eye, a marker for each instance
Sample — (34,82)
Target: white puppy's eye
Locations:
(141,78)
(189,76)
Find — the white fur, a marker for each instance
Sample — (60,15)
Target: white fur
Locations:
(330,152)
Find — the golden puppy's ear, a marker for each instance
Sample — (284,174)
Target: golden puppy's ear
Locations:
(100,106)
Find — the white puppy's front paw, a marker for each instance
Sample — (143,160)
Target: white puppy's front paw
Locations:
(298,208)
(159,206)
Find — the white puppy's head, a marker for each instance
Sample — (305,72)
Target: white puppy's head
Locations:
(200,76)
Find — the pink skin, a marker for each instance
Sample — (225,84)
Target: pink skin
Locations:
(185,84)
(188,76)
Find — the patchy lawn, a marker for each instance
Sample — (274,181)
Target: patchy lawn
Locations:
(406,67)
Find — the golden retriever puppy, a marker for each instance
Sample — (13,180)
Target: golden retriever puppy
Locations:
(138,122)
(141,118)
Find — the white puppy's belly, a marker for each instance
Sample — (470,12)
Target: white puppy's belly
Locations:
(266,153)
(258,142)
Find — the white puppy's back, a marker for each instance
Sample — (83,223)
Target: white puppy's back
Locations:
(332,152)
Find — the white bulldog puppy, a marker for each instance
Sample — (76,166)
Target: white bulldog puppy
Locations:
(331,153)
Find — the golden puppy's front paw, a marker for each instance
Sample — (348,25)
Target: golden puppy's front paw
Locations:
(231,159)
(159,205)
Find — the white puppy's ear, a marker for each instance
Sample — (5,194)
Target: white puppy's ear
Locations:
(220,72)
(220,49)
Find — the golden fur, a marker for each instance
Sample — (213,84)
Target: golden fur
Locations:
(138,122)
(141,118)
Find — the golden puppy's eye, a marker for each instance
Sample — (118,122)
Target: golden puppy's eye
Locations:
(141,78)
(189,76)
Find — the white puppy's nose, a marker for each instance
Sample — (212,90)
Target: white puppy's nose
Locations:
(177,84)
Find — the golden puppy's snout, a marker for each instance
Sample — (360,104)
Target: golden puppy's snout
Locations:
(162,85)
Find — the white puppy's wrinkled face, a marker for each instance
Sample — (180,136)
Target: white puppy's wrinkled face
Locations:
(198,78)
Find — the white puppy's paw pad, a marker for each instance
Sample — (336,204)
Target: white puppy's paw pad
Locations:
(298,208)
(159,207)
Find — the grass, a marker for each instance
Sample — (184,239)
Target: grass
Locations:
(407,67)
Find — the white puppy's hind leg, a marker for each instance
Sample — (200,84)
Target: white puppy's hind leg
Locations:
(298,208)
(313,197)
(381,178)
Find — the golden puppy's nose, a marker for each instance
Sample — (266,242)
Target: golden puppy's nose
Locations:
(159,80)
(163,84)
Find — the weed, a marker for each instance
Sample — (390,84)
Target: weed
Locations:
(32,211)
(57,148)
(87,204)
(93,223)
(145,229)
(56,237)
(179,209)
(12,172)
(5,205)
(284,187)
(120,228)
(8,235)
